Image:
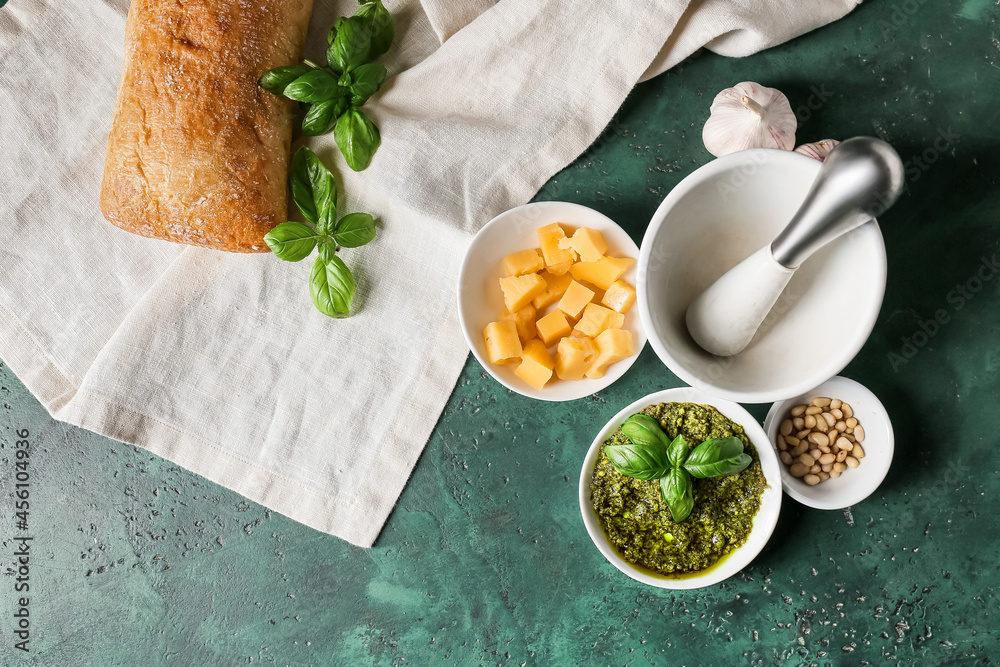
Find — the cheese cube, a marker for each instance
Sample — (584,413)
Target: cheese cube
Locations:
(573,357)
(557,260)
(620,296)
(555,287)
(533,373)
(502,343)
(524,320)
(589,244)
(602,273)
(552,327)
(518,291)
(537,351)
(613,345)
(596,319)
(526,261)
(575,299)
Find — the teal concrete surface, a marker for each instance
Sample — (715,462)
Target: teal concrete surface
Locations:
(485,560)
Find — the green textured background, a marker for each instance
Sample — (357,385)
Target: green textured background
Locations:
(486,560)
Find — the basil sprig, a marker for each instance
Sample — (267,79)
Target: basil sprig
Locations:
(651,455)
(332,94)
(314,191)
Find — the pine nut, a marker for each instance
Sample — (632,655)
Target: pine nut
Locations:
(798,470)
(827,458)
(800,449)
(815,468)
(815,452)
(786,427)
(822,426)
(851,422)
(801,434)
(826,467)
(799,423)
(819,438)
(841,455)
(851,462)
(792,440)
(807,460)
(823,476)
(782,445)
(824,449)
(821,402)
(844,444)
(810,421)
(840,426)
(859,433)
(785,457)
(811,480)
(839,467)
(830,419)
(834,474)
(813,410)
(858,452)
(798,410)
(847,410)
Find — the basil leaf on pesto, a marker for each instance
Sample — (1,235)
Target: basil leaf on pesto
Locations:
(678,493)
(644,430)
(716,457)
(646,462)
(677,451)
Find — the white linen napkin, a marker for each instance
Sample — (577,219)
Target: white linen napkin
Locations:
(219,362)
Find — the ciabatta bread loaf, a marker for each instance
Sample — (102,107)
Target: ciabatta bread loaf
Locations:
(198,152)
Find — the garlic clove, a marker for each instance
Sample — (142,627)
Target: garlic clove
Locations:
(818,150)
(749,115)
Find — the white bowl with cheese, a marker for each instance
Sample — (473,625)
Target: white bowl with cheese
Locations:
(480,299)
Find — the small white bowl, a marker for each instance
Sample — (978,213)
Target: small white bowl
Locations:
(855,484)
(716,217)
(480,300)
(763,522)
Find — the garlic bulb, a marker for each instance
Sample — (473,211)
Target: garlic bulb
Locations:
(748,115)
(818,150)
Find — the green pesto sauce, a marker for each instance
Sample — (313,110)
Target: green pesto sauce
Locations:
(638,523)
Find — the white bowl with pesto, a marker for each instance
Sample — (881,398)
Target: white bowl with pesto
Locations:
(763,522)
(480,300)
(854,484)
(719,215)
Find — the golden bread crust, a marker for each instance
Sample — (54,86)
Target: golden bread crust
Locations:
(198,152)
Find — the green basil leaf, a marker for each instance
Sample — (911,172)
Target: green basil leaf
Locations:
(351,44)
(718,456)
(321,117)
(313,189)
(291,241)
(367,80)
(327,248)
(677,490)
(354,230)
(382,30)
(357,137)
(644,430)
(331,286)
(316,85)
(276,80)
(678,450)
(640,461)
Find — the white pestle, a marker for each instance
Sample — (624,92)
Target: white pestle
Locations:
(860,178)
